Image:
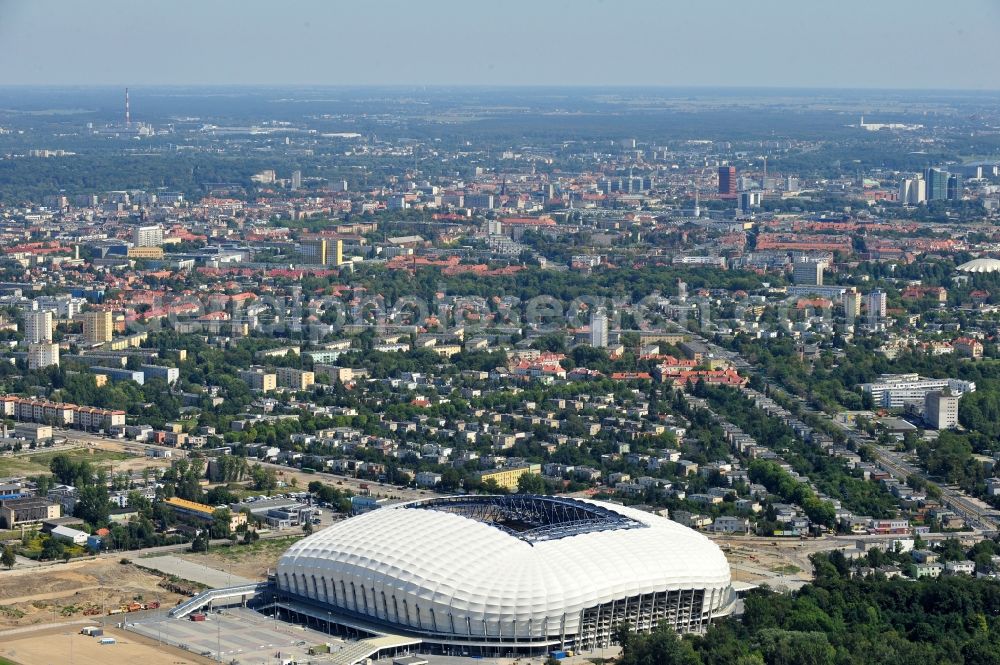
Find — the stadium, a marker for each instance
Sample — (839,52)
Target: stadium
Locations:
(505,575)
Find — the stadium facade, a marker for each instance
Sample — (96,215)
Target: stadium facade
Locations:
(505,575)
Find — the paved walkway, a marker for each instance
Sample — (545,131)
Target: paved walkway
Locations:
(193,572)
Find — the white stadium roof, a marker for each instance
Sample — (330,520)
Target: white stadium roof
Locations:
(454,558)
(980,265)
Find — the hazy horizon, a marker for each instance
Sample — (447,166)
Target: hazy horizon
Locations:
(774,44)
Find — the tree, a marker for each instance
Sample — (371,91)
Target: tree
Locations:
(221,521)
(94,507)
(792,647)
(8,558)
(140,504)
(69,472)
(52,549)
(662,645)
(200,542)
(263,479)
(531,483)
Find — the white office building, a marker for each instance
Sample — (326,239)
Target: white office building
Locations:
(894,391)
(912,191)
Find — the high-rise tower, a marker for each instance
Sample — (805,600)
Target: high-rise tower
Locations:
(727,182)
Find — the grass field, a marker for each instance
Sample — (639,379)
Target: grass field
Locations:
(32,464)
(251,561)
(240,552)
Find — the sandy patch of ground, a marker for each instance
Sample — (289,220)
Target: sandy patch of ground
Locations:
(775,561)
(65,644)
(57,593)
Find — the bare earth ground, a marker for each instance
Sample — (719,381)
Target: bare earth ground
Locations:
(780,563)
(32,596)
(53,646)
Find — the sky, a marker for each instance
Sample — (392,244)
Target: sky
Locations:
(916,44)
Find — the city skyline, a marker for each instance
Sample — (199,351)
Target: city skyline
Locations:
(427,333)
(847,45)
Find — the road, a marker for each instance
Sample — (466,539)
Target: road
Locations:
(893,462)
(889,461)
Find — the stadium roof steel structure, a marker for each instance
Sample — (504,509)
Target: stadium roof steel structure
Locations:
(532,518)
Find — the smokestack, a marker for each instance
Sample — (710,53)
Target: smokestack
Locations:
(128,118)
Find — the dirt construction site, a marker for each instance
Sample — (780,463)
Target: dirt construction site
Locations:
(77,590)
(782,564)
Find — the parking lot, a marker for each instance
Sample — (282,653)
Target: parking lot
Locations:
(239,634)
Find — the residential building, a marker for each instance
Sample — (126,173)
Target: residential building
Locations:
(337,374)
(296,379)
(876,303)
(37,326)
(969,347)
(168,374)
(928,569)
(120,374)
(808,272)
(427,479)
(147,235)
(852,304)
(258,379)
(98,326)
(599,330)
(42,355)
(322,251)
(505,478)
(941,410)
(726,524)
(59,413)
(959,567)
